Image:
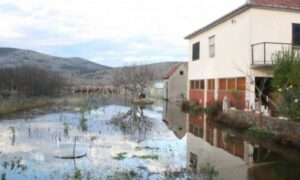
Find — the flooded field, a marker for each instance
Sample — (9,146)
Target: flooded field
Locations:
(123,142)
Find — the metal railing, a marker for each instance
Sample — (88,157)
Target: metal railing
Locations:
(263,53)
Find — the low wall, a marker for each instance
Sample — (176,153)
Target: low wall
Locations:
(284,130)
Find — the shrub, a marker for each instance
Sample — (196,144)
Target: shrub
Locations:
(287,82)
(185,106)
(214,108)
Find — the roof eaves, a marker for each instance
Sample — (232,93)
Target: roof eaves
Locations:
(220,20)
(283,8)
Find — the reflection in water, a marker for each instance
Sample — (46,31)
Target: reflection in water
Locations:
(152,150)
(155,149)
(214,151)
(83,122)
(13,135)
(133,123)
(175,119)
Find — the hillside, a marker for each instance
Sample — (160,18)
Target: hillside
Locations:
(78,71)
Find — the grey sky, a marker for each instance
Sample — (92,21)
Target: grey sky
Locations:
(110,32)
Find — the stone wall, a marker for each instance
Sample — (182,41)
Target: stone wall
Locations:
(284,130)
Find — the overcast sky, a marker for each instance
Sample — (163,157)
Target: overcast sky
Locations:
(109,32)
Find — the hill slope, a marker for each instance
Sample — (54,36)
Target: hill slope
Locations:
(75,69)
(78,71)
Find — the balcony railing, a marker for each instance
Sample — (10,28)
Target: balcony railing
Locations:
(263,53)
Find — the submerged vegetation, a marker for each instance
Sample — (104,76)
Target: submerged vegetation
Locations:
(193,108)
(208,171)
(120,156)
(150,156)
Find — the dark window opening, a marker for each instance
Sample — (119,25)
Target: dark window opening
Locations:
(181,73)
(296,35)
(196,51)
(202,86)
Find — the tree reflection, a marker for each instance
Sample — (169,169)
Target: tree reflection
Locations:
(83,122)
(133,122)
(13,135)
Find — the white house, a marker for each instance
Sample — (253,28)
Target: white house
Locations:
(230,56)
(175,81)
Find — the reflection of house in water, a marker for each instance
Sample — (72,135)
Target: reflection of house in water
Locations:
(230,156)
(175,118)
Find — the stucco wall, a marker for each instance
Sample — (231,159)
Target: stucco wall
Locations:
(177,84)
(272,25)
(232,50)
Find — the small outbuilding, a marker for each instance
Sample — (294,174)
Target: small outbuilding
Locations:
(175,82)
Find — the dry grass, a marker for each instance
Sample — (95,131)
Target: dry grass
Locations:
(21,104)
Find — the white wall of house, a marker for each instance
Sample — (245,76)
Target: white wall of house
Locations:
(232,50)
(272,25)
(233,40)
(176,85)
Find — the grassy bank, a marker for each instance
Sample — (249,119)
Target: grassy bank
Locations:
(22,104)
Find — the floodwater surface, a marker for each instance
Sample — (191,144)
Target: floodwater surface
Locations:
(124,142)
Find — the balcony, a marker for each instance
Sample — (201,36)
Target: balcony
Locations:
(263,53)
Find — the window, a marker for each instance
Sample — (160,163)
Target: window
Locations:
(196,51)
(181,72)
(211,84)
(231,84)
(212,45)
(222,84)
(202,86)
(192,84)
(241,84)
(296,35)
(197,84)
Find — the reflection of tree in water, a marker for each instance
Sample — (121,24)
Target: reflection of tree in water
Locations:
(13,135)
(133,122)
(83,122)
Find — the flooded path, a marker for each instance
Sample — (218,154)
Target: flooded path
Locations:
(122,142)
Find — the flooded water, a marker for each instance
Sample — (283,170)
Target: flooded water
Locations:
(123,142)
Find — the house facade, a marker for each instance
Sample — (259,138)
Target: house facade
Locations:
(231,55)
(175,82)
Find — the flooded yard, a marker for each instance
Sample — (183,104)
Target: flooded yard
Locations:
(123,142)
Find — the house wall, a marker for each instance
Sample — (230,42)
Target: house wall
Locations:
(233,52)
(232,56)
(272,25)
(177,84)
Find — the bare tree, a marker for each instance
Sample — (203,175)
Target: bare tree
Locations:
(134,78)
(31,81)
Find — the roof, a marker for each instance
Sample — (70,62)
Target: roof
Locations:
(277,4)
(172,69)
(293,4)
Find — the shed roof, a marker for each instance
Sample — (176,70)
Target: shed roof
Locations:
(172,69)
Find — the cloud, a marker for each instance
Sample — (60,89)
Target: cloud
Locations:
(117,30)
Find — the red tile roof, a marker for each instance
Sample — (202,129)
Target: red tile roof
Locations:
(172,69)
(277,3)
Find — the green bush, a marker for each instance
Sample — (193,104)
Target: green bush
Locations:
(287,82)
